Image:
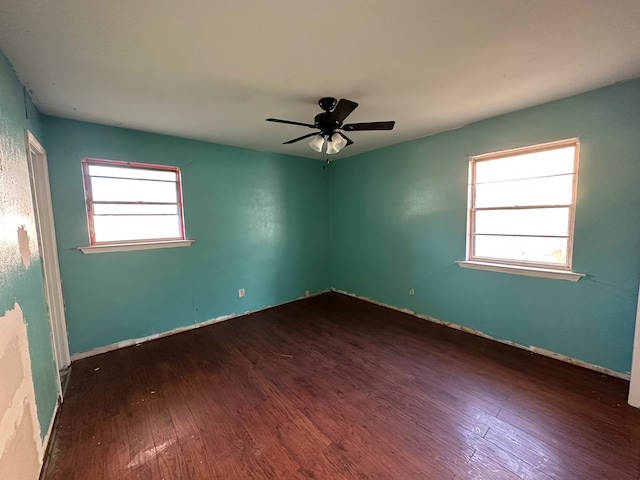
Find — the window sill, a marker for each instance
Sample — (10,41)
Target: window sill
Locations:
(128,247)
(526,271)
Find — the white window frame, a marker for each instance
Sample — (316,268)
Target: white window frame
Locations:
(520,267)
(136,244)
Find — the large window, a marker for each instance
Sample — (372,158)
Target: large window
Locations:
(522,206)
(130,203)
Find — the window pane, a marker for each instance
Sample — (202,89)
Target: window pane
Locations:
(539,164)
(131,172)
(130,227)
(524,249)
(124,190)
(133,209)
(539,221)
(536,191)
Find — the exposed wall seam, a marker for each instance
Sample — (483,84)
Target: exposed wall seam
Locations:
(531,348)
(138,341)
(26,107)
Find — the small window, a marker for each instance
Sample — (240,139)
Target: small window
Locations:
(132,202)
(522,206)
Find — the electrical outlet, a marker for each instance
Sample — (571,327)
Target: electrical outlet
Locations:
(241,292)
(411,291)
(307,293)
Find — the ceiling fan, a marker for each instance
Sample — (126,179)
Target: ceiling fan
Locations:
(329,123)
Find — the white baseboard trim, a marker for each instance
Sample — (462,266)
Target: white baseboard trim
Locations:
(138,341)
(531,348)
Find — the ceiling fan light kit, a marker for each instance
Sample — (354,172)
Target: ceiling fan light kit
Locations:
(329,122)
(332,148)
(334,144)
(317,143)
(339,141)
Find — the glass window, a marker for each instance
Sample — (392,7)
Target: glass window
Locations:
(132,202)
(522,205)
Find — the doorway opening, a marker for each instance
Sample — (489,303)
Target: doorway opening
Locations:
(39,174)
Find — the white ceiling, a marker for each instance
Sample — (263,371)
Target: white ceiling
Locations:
(214,70)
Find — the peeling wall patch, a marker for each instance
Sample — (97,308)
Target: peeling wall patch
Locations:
(23,243)
(21,449)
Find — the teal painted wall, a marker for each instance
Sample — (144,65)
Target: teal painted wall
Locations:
(260,221)
(398,221)
(24,286)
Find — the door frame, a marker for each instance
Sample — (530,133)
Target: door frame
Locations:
(634,386)
(41,191)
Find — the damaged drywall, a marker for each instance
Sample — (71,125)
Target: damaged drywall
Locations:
(20,445)
(23,245)
(29,385)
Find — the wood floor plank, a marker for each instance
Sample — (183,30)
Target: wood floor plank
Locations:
(332,387)
(569,439)
(482,467)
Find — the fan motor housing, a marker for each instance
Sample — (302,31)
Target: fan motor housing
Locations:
(324,122)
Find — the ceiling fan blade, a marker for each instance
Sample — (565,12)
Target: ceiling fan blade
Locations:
(343,110)
(349,141)
(301,138)
(277,120)
(359,127)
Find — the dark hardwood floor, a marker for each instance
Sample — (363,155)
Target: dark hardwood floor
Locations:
(332,387)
